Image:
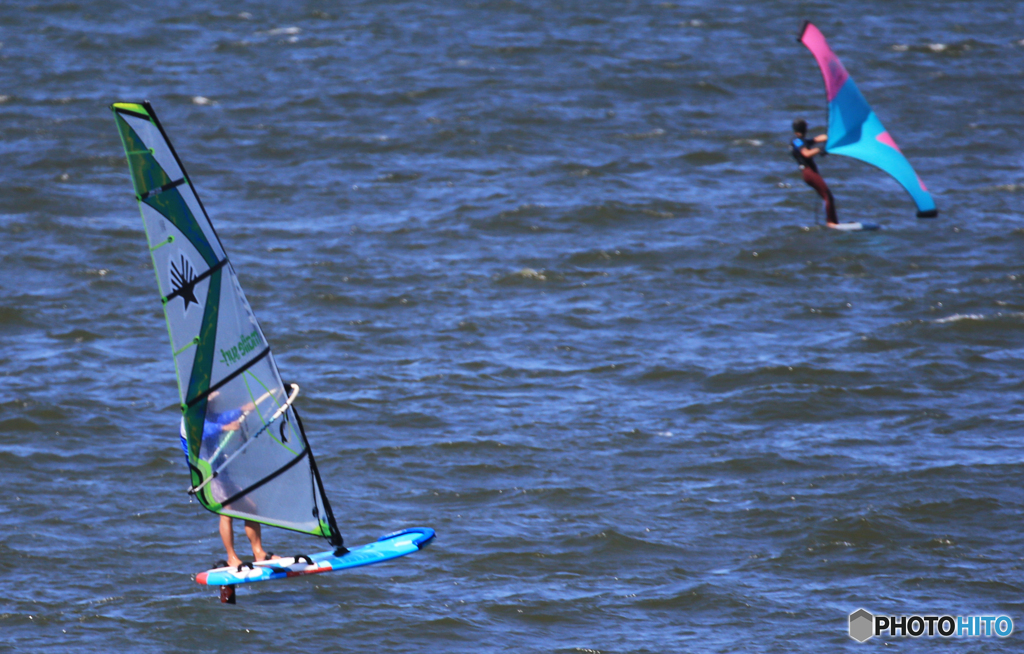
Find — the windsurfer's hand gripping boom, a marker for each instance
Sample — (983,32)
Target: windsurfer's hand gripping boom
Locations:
(814,151)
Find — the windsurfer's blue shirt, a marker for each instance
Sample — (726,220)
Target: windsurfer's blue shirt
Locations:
(212,428)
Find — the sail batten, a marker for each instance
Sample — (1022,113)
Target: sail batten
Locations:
(247,452)
(854,130)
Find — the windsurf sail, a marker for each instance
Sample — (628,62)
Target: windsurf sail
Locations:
(853,128)
(247,452)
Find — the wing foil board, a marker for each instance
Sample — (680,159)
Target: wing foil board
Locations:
(391,546)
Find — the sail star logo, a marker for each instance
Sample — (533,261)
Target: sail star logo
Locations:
(183,281)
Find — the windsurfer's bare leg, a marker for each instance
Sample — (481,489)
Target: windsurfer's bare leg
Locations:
(227,535)
(815,181)
(255,534)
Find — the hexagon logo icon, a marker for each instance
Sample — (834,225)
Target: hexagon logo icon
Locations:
(862,625)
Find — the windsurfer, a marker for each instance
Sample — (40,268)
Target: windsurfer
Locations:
(804,150)
(215,424)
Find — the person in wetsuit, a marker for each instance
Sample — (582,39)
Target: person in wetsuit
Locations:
(804,151)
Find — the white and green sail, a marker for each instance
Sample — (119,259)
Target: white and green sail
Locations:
(247,452)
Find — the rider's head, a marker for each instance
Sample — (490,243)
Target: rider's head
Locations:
(800,127)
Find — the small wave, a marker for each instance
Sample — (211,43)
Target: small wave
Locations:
(934,48)
(862,531)
(77,336)
(651,134)
(1012,188)
(519,219)
(699,597)
(704,86)
(528,273)
(659,373)
(957,317)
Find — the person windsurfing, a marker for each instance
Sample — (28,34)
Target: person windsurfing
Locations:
(804,150)
(214,426)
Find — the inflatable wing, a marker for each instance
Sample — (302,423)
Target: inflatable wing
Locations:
(853,128)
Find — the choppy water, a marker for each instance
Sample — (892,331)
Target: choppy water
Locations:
(552,286)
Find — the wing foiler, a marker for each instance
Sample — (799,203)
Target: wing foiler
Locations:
(247,451)
(853,128)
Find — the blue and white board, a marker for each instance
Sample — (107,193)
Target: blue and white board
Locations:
(391,546)
(855,227)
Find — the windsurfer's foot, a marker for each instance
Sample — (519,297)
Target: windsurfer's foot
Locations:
(260,555)
(234,561)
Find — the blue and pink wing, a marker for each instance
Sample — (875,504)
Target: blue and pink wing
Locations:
(853,128)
